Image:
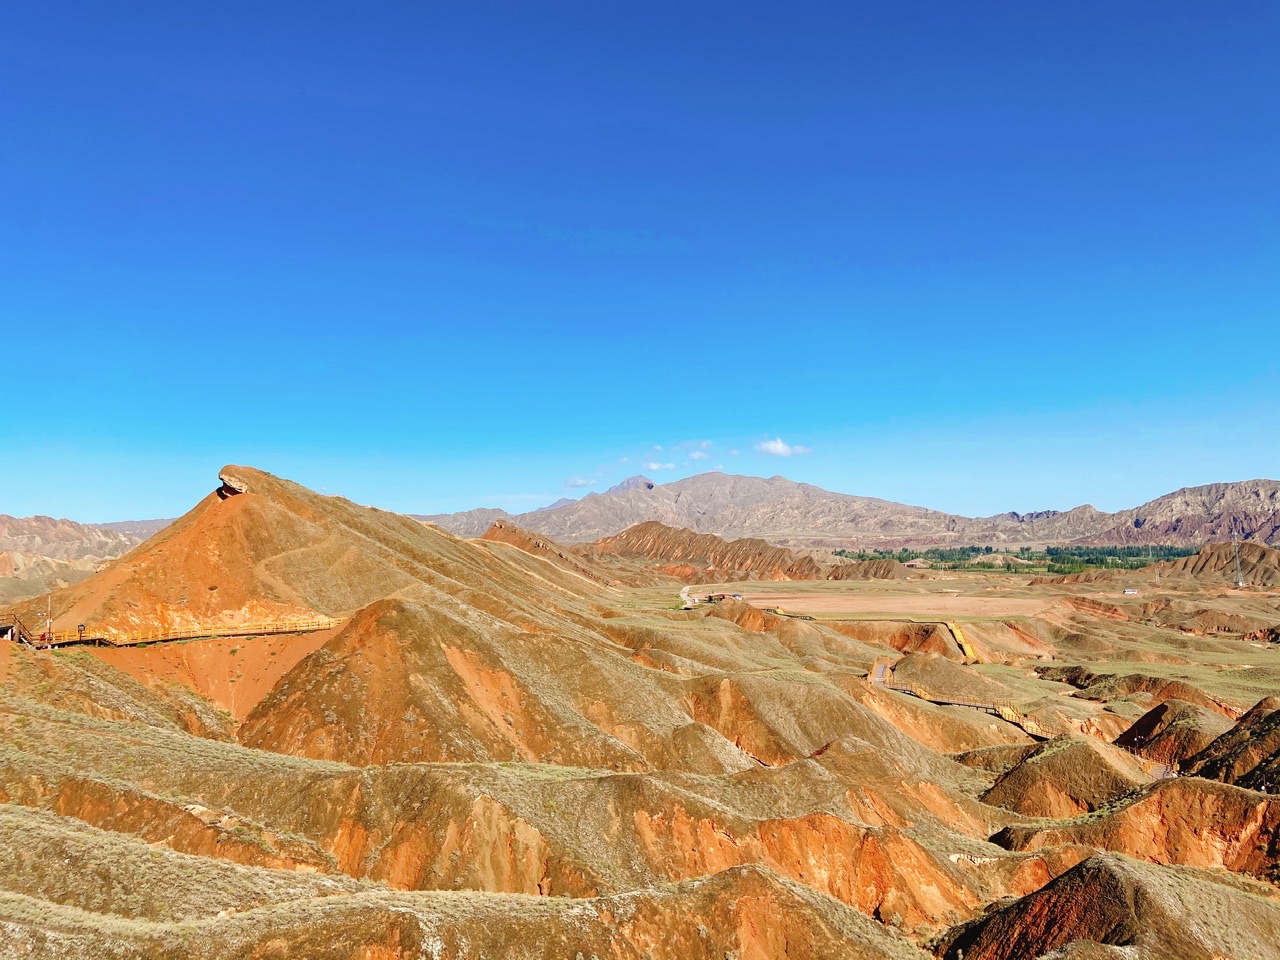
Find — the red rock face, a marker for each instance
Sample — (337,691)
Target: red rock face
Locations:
(1248,754)
(1173,732)
(1109,900)
(905,637)
(1185,821)
(711,557)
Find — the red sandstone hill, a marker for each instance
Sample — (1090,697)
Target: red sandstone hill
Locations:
(1111,906)
(708,557)
(1259,565)
(1173,731)
(499,752)
(148,901)
(261,548)
(542,546)
(1248,754)
(434,680)
(1066,776)
(1187,821)
(704,557)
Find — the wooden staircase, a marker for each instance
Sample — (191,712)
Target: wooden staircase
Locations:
(11,626)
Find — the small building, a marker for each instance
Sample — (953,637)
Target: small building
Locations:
(919,563)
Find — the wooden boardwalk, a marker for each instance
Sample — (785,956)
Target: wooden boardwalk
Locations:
(13,628)
(881,675)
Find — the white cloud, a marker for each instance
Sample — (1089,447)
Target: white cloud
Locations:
(699,455)
(573,482)
(624,459)
(777,447)
(659,466)
(735,453)
(704,444)
(657,446)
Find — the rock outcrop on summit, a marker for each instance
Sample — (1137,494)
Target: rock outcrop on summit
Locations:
(261,548)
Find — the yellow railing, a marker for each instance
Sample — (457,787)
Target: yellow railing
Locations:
(116,638)
(1153,768)
(1001,708)
(16,628)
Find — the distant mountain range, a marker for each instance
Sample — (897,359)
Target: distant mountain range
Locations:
(784,512)
(63,539)
(39,553)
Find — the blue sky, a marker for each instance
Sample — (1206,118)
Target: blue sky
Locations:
(430,256)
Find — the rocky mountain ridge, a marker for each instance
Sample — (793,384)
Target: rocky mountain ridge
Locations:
(41,553)
(793,514)
(63,539)
(777,510)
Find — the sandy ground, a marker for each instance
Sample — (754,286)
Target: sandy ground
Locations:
(234,672)
(940,606)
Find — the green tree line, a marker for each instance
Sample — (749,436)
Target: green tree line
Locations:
(1066,559)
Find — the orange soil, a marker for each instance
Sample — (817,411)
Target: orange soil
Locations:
(941,607)
(234,672)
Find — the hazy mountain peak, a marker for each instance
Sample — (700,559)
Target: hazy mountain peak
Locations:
(638,482)
(562,502)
